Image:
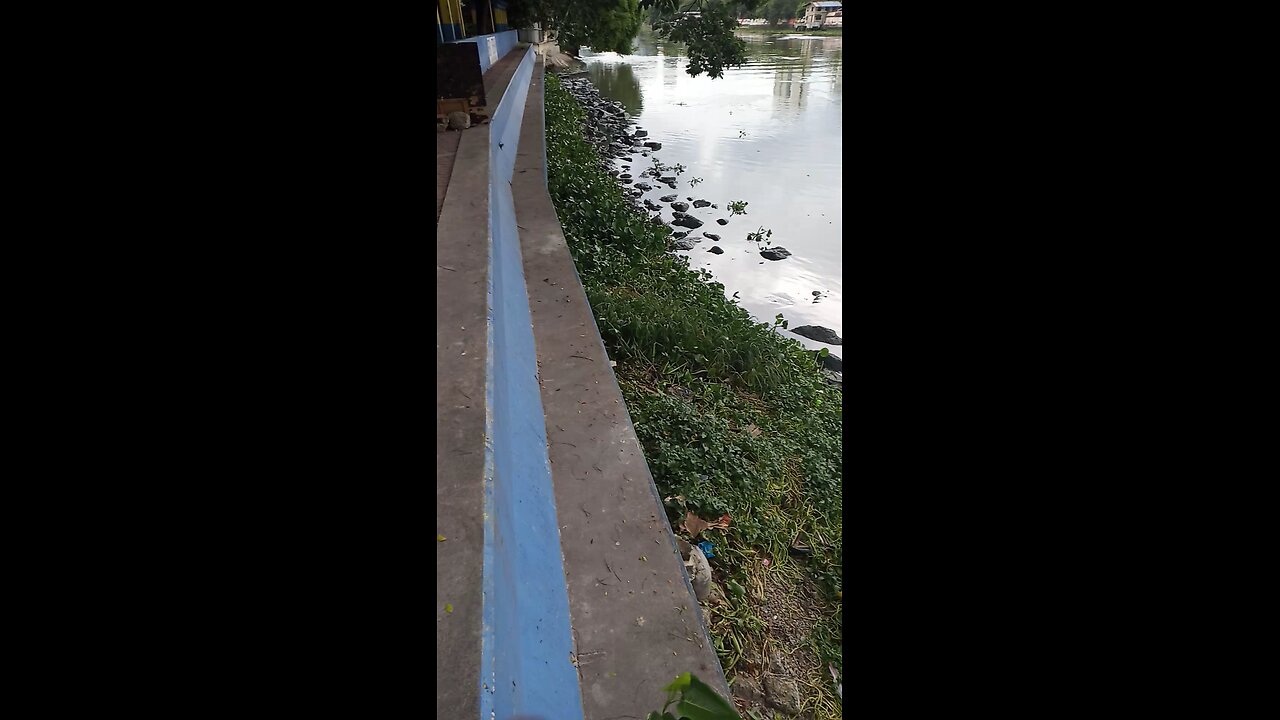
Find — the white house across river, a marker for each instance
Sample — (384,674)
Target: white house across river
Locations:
(820,15)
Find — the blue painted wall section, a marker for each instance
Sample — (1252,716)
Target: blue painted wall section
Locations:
(506,41)
(527,639)
(502,42)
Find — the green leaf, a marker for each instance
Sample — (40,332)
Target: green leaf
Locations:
(823,352)
(680,683)
(700,702)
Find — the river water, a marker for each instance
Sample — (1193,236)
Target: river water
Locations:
(768,133)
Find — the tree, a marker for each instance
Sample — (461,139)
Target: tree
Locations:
(604,25)
(776,11)
(704,26)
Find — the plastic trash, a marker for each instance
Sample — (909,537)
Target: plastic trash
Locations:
(707,548)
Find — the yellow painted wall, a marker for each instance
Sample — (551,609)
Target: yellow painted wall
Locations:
(451,13)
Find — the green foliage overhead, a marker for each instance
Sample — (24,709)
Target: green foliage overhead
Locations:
(604,25)
(707,32)
(607,27)
(704,26)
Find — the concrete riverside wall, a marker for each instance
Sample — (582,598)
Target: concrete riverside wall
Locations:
(636,621)
(526,642)
(560,592)
(493,47)
(506,41)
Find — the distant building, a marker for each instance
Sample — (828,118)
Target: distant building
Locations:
(834,19)
(815,14)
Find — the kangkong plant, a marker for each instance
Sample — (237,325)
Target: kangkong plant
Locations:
(693,700)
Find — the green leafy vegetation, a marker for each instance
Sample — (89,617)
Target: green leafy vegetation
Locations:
(704,26)
(659,168)
(603,25)
(693,700)
(774,11)
(760,236)
(733,417)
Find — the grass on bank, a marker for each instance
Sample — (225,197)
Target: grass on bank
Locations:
(733,417)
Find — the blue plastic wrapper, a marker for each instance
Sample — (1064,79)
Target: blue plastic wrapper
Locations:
(706,547)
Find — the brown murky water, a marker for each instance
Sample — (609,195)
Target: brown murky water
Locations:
(768,133)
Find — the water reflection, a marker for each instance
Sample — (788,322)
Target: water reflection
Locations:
(618,81)
(646,43)
(788,87)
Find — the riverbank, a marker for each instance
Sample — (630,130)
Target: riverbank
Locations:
(738,425)
(757,30)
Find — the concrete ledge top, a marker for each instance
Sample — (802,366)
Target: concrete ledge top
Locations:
(462,262)
(636,621)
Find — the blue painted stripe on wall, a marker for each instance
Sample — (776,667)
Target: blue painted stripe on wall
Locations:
(526,666)
(487,609)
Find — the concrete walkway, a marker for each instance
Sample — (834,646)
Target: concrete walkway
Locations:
(495,84)
(446,153)
(462,307)
(462,312)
